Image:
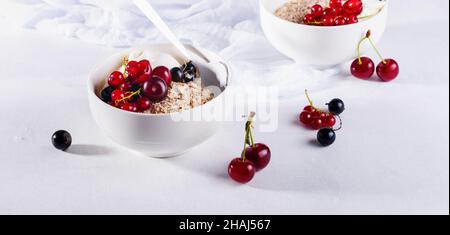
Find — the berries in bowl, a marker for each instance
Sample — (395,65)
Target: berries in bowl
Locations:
(322,33)
(141,100)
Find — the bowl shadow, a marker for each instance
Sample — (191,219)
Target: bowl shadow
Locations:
(88,150)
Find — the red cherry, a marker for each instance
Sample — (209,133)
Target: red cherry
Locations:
(330,121)
(340,21)
(144,67)
(309,109)
(129,107)
(143,104)
(141,79)
(308,18)
(388,70)
(133,69)
(259,154)
(164,73)
(353,7)
(317,11)
(241,171)
(335,3)
(317,124)
(363,69)
(116,79)
(328,21)
(117,95)
(155,89)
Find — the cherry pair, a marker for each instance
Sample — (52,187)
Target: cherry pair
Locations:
(363,67)
(254,157)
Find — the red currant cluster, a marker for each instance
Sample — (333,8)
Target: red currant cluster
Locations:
(139,85)
(364,68)
(254,157)
(324,121)
(336,14)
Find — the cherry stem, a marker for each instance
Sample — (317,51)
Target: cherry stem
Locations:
(376,49)
(248,128)
(340,123)
(370,16)
(359,49)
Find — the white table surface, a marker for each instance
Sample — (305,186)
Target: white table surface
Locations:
(392,156)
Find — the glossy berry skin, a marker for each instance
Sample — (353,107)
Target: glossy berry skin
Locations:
(335,3)
(126,86)
(308,18)
(117,95)
(190,68)
(326,137)
(133,69)
(336,106)
(317,11)
(328,21)
(143,104)
(330,121)
(129,107)
(336,11)
(353,7)
(388,70)
(116,79)
(241,171)
(309,108)
(259,154)
(155,89)
(363,69)
(340,21)
(164,73)
(61,140)
(141,79)
(317,124)
(105,95)
(306,118)
(351,19)
(177,74)
(145,67)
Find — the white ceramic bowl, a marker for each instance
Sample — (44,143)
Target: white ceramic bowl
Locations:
(314,45)
(161,135)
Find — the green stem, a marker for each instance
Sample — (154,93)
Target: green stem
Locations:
(376,49)
(359,49)
(248,134)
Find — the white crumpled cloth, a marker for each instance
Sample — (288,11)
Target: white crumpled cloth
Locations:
(228,27)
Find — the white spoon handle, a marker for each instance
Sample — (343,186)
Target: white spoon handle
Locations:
(151,14)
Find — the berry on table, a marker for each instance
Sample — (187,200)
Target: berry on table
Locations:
(317,124)
(259,154)
(61,140)
(362,68)
(306,118)
(330,121)
(242,171)
(326,137)
(388,70)
(336,106)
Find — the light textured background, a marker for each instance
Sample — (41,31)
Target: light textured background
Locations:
(390,158)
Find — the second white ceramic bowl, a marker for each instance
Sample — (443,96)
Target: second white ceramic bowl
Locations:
(315,45)
(159,135)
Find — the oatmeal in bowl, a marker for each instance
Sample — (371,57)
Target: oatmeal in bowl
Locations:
(150,101)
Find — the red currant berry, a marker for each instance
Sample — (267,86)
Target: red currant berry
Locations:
(363,68)
(116,79)
(317,124)
(241,171)
(330,121)
(388,70)
(336,11)
(155,89)
(117,95)
(309,109)
(164,73)
(308,19)
(259,154)
(141,79)
(145,67)
(351,19)
(340,21)
(133,69)
(127,86)
(335,3)
(316,114)
(129,107)
(353,7)
(317,11)
(143,104)
(328,21)
(306,118)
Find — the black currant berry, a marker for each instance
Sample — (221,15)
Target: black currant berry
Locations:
(336,106)
(106,94)
(177,74)
(61,140)
(326,137)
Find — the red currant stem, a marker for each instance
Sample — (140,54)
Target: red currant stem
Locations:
(309,99)
(378,52)
(340,124)
(138,92)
